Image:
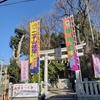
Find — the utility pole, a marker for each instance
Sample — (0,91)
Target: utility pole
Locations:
(90,22)
(1,69)
(5,81)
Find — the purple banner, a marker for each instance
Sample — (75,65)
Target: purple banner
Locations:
(24,71)
(34,66)
(74,62)
(96,62)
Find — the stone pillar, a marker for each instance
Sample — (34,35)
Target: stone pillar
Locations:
(78,82)
(10,91)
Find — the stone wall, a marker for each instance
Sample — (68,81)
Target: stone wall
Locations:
(64,83)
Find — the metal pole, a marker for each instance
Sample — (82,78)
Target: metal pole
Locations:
(80,73)
(39,48)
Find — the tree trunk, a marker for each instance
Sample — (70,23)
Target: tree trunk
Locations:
(16,57)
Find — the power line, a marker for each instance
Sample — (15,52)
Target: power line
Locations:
(16,2)
(3,1)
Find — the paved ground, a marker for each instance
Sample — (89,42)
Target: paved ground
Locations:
(56,92)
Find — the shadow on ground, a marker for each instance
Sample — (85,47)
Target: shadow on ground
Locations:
(61,95)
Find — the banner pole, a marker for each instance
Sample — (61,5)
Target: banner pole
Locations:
(39,48)
(80,73)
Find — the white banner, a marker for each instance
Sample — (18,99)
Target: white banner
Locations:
(25,90)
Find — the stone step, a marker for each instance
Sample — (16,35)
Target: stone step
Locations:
(64,96)
(61,99)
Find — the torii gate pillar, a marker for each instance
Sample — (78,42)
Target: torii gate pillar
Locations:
(46,73)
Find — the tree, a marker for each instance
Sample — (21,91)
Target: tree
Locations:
(54,70)
(57,40)
(16,43)
(64,8)
(13,71)
(45,41)
(51,32)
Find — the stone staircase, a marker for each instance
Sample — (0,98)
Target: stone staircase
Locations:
(61,94)
(63,97)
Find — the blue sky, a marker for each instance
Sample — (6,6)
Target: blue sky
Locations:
(11,16)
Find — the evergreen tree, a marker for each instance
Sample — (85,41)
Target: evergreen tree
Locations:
(14,71)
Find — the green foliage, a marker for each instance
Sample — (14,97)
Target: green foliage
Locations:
(14,40)
(14,71)
(54,69)
(97,46)
(19,32)
(34,78)
(56,40)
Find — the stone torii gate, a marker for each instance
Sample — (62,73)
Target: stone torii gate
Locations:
(46,57)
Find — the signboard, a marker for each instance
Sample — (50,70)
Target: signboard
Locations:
(58,52)
(25,90)
(96,62)
(34,47)
(69,34)
(24,71)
